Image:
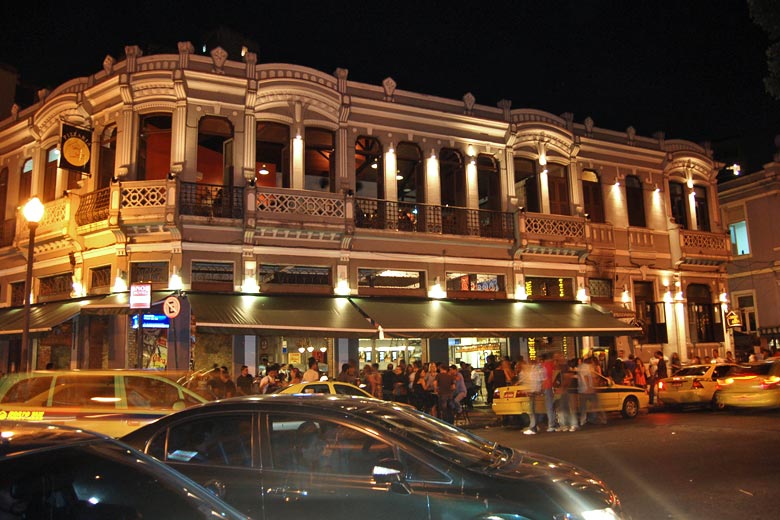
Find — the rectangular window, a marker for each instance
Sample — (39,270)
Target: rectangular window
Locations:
(149,272)
(390,279)
(747,312)
(650,314)
(100,277)
(475,282)
(57,285)
(600,289)
(212,276)
(17,294)
(702,208)
(294,275)
(539,288)
(738,230)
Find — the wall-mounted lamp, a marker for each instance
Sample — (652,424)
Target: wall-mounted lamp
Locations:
(436,290)
(120,282)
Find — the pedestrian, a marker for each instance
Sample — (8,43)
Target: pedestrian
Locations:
(640,374)
(660,373)
(313,373)
(567,402)
(490,365)
(270,381)
(548,391)
(675,363)
(586,389)
(619,374)
(460,389)
(227,388)
(346,375)
(387,383)
(532,377)
(244,381)
(375,381)
(444,386)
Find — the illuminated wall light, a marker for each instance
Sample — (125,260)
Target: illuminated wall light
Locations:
(542,159)
(250,282)
(120,282)
(626,298)
(724,297)
(470,151)
(79,290)
(436,290)
(263,170)
(582,295)
(342,288)
(174,282)
(520,293)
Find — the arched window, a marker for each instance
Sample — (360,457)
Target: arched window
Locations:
(702,208)
(488,183)
(215,151)
(154,147)
(107,162)
(369,168)
(453,178)
(319,160)
(25,181)
(558,184)
(527,184)
(635,202)
(678,204)
(50,175)
(410,177)
(593,202)
(272,153)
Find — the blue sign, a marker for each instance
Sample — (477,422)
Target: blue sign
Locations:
(152,321)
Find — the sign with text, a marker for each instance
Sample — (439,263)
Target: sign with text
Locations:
(733,319)
(140,296)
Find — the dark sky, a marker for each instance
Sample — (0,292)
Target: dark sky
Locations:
(692,69)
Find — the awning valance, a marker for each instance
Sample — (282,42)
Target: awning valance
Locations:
(303,315)
(43,316)
(119,303)
(457,318)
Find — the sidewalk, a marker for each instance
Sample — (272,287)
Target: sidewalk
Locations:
(481,416)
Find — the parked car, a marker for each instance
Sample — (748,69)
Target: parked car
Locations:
(692,385)
(752,385)
(610,397)
(336,456)
(112,402)
(49,471)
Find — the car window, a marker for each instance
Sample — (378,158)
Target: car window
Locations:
(349,390)
(27,389)
(63,484)
(151,392)
(692,371)
(320,446)
(91,391)
(317,389)
(219,440)
(721,370)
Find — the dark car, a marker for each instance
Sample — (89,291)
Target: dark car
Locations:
(58,472)
(329,456)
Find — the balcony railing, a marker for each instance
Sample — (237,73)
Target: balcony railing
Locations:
(300,202)
(424,218)
(211,200)
(93,207)
(705,244)
(552,227)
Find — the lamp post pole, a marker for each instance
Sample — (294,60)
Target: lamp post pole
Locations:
(33,212)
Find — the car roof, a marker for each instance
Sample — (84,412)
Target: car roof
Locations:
(22,436)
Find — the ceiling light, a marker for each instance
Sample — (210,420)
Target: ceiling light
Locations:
(263,170)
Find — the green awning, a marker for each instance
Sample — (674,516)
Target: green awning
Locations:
(43,316)
(304,315)
(489,318)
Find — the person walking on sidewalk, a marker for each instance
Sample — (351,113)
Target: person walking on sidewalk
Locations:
(532,375)
(548,389)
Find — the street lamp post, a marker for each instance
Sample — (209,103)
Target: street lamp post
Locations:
(33,213)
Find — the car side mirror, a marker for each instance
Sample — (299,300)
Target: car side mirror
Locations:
(179,405)
(391,471)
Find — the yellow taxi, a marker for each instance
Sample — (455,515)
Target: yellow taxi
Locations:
(753,385)
(610,397)
(324,387)
(692,385)
(112,402)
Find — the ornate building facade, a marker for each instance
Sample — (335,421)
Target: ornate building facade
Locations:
(295,213)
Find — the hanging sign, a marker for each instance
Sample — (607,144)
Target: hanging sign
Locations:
(733,320)
(140,296)
(76,148)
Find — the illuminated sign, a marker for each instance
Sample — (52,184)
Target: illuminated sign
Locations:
(152,321)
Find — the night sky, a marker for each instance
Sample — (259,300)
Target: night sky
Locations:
(692,69)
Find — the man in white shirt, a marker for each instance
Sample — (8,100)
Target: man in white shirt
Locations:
(313,374)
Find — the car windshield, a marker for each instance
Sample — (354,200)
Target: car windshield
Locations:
(456,445)
(699,370)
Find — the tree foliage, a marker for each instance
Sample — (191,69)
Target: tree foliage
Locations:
(766,14)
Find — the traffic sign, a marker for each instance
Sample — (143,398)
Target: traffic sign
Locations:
(171,306)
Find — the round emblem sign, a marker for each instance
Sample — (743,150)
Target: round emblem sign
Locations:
(171,306)
(75,151)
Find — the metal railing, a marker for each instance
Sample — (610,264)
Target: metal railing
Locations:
(93,207)
(211,200)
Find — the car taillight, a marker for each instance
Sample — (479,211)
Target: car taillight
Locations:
(697,384)
(496,393)
(661,385)
(770,383)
